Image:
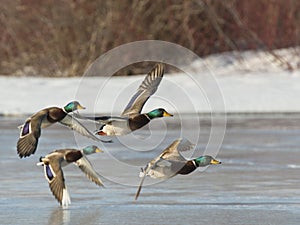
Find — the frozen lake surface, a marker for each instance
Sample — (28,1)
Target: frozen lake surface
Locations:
(257,182)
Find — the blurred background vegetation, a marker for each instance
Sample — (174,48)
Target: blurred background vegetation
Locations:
(62,38)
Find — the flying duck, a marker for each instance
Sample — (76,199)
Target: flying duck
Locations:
(30,131)
(170,163)
(53,163)
(131,119)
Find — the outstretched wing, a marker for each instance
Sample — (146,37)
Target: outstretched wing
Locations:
(146,89)
(161,166)
(140,186)
(173,151)
(30,132)
(86,167)
(55,178)
(74,124)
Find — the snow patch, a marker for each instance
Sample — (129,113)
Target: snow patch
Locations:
(248,82)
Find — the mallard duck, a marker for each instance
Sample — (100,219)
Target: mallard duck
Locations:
(131,119)
(170,163)
(30,131)
(57,159)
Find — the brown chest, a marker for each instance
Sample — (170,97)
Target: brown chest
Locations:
(55,114)
(183,167)
(138,121)
(73,156)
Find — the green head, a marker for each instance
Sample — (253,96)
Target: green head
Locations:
(91,149)
(205,161)
(72,106)
(158,113)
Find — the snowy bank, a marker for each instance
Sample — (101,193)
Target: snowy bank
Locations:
(218,84)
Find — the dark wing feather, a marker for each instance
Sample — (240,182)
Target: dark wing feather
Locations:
(27,145)
(146,89)
(57,183)
(30,132)
(74,124)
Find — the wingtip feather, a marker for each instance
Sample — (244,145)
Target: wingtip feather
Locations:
(66,200)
